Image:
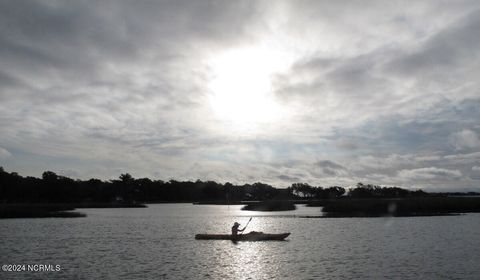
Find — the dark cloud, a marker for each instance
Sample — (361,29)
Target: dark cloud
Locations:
(7,81)
(328,164)
(329,168)
(289,178)
(429,173)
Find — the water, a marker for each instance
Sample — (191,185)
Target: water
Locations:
(158,243)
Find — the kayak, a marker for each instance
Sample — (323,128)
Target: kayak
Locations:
(251,236)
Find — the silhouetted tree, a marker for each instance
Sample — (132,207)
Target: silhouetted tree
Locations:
(369,191)
(49,176)
(55,188)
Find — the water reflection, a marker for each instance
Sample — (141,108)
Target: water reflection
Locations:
(158,243)
(246,260)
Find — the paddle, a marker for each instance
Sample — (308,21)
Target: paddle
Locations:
(246,226)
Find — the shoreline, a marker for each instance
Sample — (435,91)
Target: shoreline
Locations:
(55,210)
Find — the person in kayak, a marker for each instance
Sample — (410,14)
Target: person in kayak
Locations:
(235,228)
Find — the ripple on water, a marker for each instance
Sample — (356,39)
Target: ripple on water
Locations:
(157,243)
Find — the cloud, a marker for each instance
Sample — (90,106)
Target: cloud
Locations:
(476,168)
(289,178)
(428,173)
(469,157)
(102,79)
(464,139)
(347,144)
(367,86)
(446,53)
(4,153)
(330,168)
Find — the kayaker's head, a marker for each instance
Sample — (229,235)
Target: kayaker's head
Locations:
(236,224)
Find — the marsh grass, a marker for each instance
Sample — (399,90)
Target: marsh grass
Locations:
(401,206)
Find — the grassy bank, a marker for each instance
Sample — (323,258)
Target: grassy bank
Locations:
(38,211)
(108,205)
(245,202)
(50,210)
(215,202)
(274,205)
(424,206)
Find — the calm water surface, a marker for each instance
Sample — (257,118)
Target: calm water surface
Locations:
(158,243)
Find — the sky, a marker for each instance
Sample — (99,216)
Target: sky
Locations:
(321,92)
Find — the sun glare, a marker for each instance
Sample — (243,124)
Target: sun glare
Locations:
(241,88)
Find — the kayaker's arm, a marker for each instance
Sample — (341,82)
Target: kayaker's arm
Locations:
(246,225)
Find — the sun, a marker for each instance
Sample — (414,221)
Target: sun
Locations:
(241,87)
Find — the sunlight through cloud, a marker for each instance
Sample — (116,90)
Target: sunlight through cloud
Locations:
(241,89)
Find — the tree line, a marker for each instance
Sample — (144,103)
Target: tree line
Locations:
(53,188)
